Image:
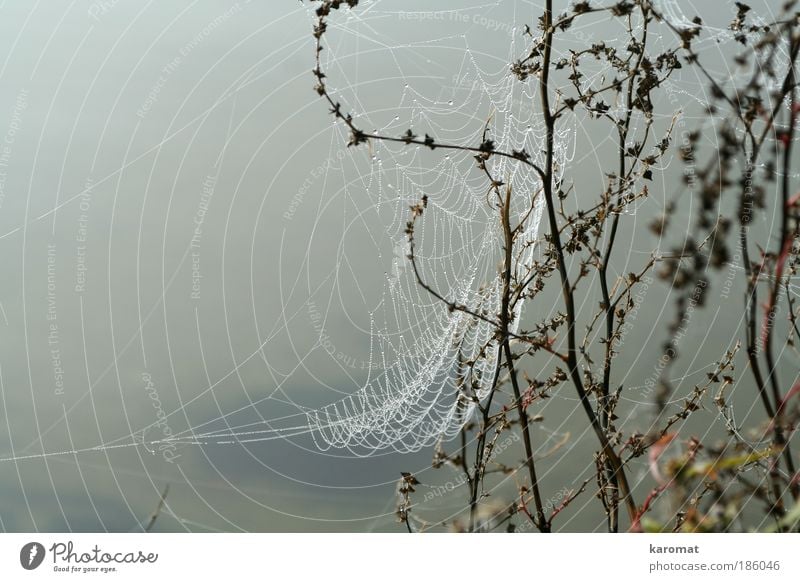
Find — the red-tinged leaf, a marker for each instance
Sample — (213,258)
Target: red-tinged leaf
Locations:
(655,452)
(636,524)
(793,391)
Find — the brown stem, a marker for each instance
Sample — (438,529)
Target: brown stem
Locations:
(566,289)
(505,316)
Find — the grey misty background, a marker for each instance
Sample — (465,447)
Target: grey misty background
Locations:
(131,121)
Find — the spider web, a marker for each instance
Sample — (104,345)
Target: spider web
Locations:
(416,400)
(410,397)
(413,394)
(418,396)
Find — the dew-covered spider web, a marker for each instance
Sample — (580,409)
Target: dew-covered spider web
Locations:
(383,356)
(416,396)
(417,392)
(415,399)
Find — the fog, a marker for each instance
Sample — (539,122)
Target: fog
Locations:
(190,248)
